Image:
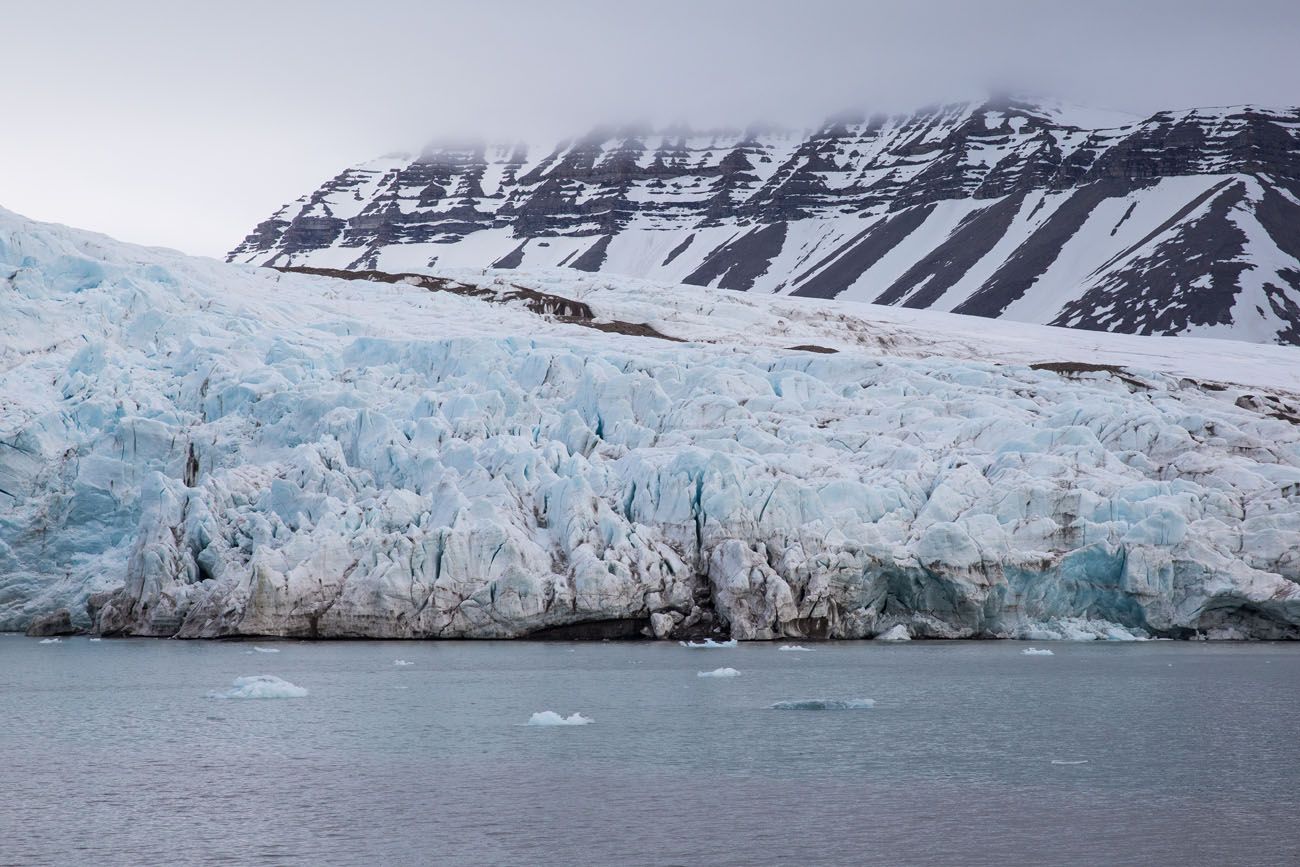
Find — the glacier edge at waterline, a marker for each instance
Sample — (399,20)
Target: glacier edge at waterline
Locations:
(197,449)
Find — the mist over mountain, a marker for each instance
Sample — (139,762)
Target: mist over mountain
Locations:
(141,129)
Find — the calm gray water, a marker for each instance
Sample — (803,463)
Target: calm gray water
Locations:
(113,752)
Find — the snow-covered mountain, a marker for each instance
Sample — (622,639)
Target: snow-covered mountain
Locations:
(199,449)
(1186,222)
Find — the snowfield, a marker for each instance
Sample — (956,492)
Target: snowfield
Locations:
(198,449)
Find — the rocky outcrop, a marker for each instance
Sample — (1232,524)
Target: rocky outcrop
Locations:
(58,622)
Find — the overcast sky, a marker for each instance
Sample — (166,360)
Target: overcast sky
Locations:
(184,124)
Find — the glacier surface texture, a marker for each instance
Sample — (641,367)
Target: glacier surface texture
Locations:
(195,449)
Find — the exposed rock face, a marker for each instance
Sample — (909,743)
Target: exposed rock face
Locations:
(194,449)
(1183,223)
(57,622)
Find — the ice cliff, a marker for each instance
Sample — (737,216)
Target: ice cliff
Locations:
(197,449)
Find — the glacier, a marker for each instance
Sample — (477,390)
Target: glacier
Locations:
(196,449)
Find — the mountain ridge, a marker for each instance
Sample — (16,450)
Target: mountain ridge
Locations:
(1184,222)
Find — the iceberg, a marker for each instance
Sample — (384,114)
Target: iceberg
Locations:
(795,648)
(261,686)
(825,704)
(267,454)
(720,672)
(267,649)
(50,641)
(551,718)
(1036,651)
(402,662)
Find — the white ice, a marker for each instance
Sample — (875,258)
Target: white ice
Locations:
(895,633)
(551,718)
(261,686)
(284,455)
(1078,629)
(720,672)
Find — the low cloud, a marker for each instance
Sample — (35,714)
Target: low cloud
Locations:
(185,124)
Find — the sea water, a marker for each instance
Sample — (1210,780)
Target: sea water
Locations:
(140,751)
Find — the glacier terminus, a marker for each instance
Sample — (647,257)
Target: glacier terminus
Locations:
(197,449)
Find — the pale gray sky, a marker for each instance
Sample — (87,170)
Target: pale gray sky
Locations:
(184,124)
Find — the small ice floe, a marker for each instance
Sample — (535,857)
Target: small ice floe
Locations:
(261,686)
(795,648)
(895,633)
(709,642)
(1073,762)
(719,672)
(51,641)
(96,639)
(825,704)
(266,649)
(1037,651)
(551,718)
(402,662)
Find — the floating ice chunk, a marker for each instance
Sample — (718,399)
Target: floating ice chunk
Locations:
(895,633)
(708,642)
(261,686)
(551,718)
(1037,651)
(266,649)
(720,672)
(825,704)
(402,662)
(51,641)
(795,648)
(1064,762)
(96,639)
